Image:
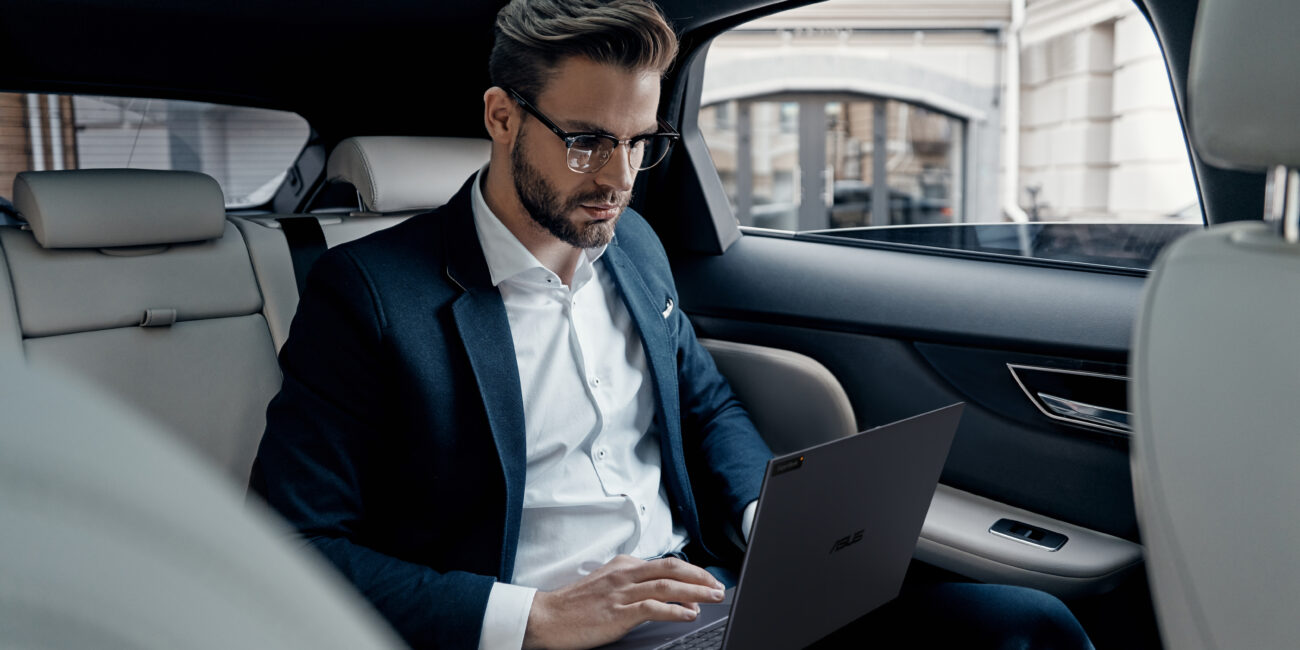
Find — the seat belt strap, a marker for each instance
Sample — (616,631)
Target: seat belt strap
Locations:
(306,245)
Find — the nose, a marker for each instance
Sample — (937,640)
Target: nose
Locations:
(618,174)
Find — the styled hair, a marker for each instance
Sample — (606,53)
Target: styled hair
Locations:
(532,37)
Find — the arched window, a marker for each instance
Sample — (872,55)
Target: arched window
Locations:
(811,161)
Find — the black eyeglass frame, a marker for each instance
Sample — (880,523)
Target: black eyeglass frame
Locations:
(569,137)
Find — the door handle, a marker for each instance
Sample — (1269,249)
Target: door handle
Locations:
(1090,413)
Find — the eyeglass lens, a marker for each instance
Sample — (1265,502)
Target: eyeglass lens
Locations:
(589,153)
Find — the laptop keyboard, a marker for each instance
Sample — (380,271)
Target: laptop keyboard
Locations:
(708,637)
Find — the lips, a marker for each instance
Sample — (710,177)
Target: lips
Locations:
(602,211)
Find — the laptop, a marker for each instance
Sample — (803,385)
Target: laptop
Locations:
(832,538)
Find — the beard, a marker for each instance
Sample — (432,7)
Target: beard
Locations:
(550,211)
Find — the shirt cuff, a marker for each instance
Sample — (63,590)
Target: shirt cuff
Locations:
(506,618)
(747,519)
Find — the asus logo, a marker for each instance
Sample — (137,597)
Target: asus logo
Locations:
(847,541)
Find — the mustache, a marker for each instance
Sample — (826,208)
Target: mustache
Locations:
(619,199)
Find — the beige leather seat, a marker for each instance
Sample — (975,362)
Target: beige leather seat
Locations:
(1216,367)
(134,280)
(793,400)
(394,177)
(115,537)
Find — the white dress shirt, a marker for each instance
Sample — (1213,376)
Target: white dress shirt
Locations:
(592,488)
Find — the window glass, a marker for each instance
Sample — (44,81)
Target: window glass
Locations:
(917,154)
(871,113)
(247,150)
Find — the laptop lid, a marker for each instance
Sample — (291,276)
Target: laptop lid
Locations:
(835,530)
(832,538)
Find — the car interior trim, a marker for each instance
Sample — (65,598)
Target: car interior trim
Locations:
(1090,313)
(956,537)
(1104,419)
(968,254)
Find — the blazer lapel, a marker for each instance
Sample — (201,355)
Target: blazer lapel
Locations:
(648,312)
(484,329)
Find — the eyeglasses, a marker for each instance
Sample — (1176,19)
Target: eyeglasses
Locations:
(588,152)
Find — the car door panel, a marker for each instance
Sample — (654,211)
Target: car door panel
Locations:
(915,296)
(957,536)
(909,332)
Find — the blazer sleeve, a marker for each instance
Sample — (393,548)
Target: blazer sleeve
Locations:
(728,449)
(321,433)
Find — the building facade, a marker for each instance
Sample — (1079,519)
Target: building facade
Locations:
(959,110)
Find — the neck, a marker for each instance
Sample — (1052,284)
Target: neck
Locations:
(500,196)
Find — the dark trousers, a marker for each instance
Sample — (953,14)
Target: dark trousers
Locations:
(965,615)
(959,615)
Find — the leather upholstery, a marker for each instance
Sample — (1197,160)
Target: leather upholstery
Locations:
(1215,376)
(1242,94)
(63,291)
(11,338)
(1216,370)
(272,263)
(115,537)
(269,252)
(793,400)
(401,174)
(174,330)
(104,208)
(208,380)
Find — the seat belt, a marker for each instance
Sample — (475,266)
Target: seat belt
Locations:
(306,244)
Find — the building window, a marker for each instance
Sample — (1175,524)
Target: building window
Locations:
(814,161)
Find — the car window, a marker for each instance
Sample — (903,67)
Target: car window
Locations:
(850,119)
(247,150)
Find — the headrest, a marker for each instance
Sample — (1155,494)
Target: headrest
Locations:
(1242,95)
(398,174)
(106,208)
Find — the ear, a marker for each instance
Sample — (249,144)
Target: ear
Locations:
(500,115)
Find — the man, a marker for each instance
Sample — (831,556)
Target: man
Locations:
(493,414)
(503,390)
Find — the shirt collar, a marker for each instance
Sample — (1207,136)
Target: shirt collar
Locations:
(506,256)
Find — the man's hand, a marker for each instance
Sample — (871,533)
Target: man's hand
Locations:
(617,597)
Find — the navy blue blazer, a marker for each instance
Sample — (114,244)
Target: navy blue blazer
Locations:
(396,444)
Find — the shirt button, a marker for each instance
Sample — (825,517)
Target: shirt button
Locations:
(595,381)
(642,511)
(600,454)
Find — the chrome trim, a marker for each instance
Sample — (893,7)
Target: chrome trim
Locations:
(1291,219)
(1099,415)
(1042,408)
(1027,542)
(1282,201)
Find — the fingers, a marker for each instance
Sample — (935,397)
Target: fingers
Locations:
(668,590)
(674,569)
(671,580)
(655,610)
(667,581)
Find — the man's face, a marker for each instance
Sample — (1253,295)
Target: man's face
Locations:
(575,208)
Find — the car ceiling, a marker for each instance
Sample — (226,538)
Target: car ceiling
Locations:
(349,68)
